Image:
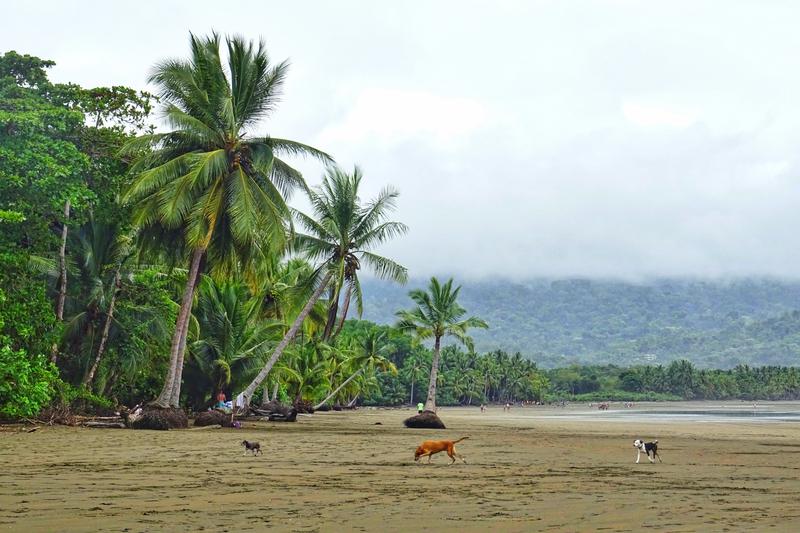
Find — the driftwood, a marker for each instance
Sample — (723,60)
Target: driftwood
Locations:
(31,430)
(201,428)
(291,416)
(105,424)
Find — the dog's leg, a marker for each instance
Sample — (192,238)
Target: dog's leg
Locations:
(638,455)
(430,455)
(651,458)
(659,457)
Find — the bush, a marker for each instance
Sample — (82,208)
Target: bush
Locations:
(81,400)
(26,383)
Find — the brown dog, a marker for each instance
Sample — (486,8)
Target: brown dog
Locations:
(430,447)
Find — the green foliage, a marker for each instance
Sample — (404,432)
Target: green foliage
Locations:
(79,398)
(26,383)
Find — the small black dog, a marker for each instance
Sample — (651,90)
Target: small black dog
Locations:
(648,448)
(252,446)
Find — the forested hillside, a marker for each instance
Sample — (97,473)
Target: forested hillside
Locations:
(713,324)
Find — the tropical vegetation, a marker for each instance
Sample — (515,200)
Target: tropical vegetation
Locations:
(157,258)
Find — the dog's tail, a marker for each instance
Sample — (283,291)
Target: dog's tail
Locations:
(655,441)
(459,440)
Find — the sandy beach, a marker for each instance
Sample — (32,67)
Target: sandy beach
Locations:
(535,468)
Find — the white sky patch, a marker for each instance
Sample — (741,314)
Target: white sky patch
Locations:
(602,138)
(394,115)
(657,115)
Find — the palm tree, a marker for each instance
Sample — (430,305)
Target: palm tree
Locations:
(311,364)
(415,367)
(208,186)
(438,314)
(369,354)
(232,340)
(344,234)
(341,236)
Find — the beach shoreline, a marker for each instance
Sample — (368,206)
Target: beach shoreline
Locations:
(530,469)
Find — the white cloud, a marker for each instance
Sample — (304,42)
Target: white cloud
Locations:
(657,115)
(395,115)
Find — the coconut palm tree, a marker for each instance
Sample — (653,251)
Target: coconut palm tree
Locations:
(232,340)
(341,236)
(311,364)
(415,367)
(346,232)
(369,354)
(208,187)
(438,314)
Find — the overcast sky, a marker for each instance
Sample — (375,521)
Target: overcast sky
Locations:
(599,139)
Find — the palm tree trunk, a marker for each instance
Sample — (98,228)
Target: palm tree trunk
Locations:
(298,322)
(354,400)
(333,310)
(62,289)
(331,395)
(106,328)
(165,399)
(430,403)
(411,398)
(346,303)
(275,391)
(264,395)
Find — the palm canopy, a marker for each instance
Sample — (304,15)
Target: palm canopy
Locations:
(438,314)
(208,180)
(343,232)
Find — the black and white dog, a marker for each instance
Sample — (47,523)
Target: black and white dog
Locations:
(251,446)
(648,448)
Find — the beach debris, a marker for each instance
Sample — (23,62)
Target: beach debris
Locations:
(424,420)
(152,417)
(213,418)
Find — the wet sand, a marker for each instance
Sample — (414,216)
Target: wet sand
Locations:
(531,469)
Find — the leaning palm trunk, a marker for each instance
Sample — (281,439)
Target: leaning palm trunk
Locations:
(353,402)
(336,391)
(298,322)
(62,280)
(165,399)
(347,295)
(332,312)
(430,403)
(411,398)
(106,328)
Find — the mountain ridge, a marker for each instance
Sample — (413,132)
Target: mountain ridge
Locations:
(715,324)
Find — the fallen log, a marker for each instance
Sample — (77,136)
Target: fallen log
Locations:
(201,428)
(104,425)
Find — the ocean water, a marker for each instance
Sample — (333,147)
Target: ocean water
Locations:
(774,412)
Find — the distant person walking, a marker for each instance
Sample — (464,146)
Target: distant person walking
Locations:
(420,407)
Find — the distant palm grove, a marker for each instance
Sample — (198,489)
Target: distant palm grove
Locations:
(150,253)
